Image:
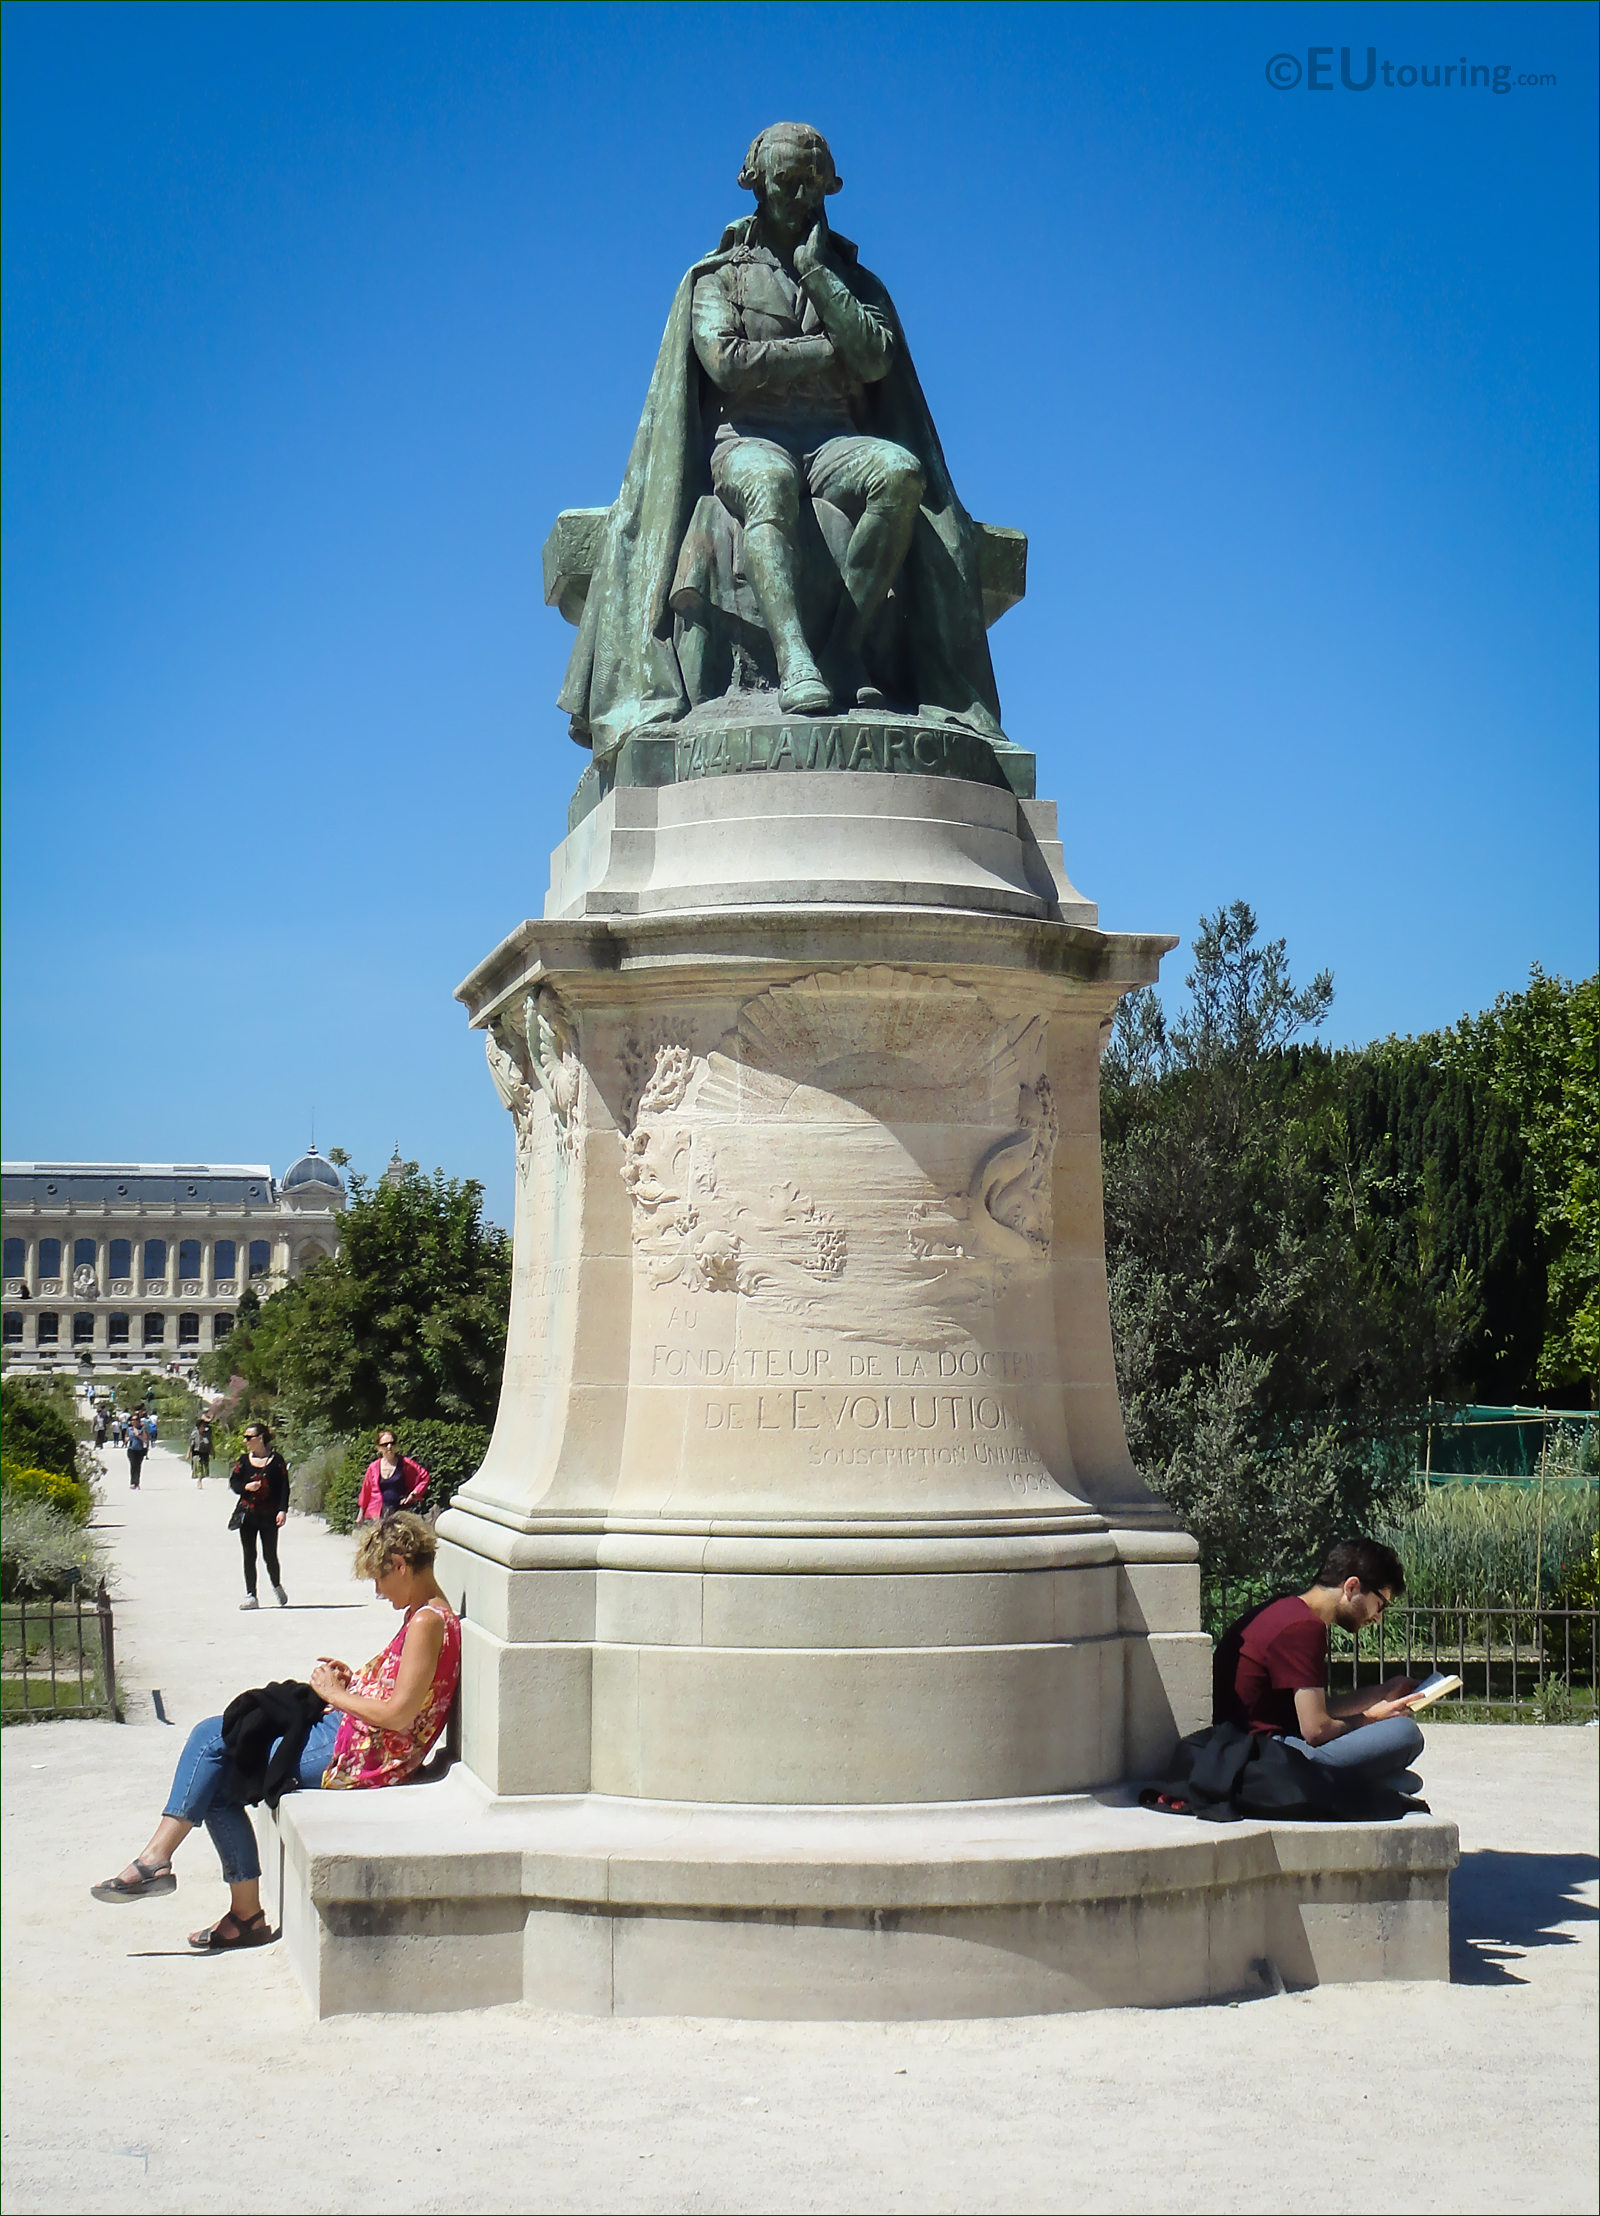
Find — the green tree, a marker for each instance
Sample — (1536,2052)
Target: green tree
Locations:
(1267,1382)
(408,1320)
(238,1357)
(1537,1052)
(1443,1209)
(1304,1246)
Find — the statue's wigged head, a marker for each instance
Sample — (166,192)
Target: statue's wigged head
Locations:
(786,146)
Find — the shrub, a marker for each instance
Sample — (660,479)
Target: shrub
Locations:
(449,1452)
(1552,1700)
(66,1495)
(33,1432)
(341,1492)
(41,1551)
(309,1476)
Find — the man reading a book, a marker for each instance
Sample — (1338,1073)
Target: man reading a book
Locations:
(1271,1671)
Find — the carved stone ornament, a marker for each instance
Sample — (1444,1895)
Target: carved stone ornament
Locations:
(531,1055)
(655,1059)
(85,1284)
(922,1126)
(516,1093)
(927,1053)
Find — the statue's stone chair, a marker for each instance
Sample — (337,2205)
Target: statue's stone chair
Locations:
(719,633)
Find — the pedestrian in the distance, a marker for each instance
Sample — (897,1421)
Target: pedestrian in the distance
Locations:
(392,1482)
(260,1477)
(200,1450)
(136,1453)
(151,1427)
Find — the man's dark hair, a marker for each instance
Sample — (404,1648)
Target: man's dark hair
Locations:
(1378,1567)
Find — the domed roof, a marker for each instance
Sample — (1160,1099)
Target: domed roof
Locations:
(311,1169)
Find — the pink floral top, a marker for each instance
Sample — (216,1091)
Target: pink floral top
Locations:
(366,1754)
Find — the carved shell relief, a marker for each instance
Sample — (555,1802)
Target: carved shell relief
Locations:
(923,1128)
(688,1230)
(533,1055)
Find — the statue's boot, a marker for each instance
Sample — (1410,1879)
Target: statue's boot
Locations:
(805,692)
(769,561)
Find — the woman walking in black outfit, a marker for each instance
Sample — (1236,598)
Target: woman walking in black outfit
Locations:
(260,1477)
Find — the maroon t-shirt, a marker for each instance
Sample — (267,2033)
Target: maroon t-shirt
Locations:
(1263,1660)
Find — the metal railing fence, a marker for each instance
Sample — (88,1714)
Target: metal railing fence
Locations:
(1507,1656)
(58,1658)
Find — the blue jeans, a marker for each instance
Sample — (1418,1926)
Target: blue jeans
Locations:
(1382,1752)
(205,1790)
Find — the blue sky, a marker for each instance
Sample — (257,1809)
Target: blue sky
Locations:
(316,315)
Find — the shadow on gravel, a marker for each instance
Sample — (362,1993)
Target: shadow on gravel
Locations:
(1503,1904)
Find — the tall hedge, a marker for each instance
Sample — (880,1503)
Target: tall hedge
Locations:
(33,1434)
(449,1452)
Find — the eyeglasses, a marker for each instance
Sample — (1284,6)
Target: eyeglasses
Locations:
(386,1442)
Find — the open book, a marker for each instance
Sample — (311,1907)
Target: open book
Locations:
(1432,1689)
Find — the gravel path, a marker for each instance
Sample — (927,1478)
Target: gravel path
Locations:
(138,2077)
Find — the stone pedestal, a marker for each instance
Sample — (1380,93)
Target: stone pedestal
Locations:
(809,1484)
(811,1595)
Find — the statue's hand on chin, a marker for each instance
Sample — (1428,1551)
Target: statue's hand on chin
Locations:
(809,253)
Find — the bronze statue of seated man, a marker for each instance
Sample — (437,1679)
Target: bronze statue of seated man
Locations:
(789,349)
(786,519)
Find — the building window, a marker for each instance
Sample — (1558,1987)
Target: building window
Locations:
(155,1330)
(49,1329)
(260,1258)
(155,1258)
(120,1258)
(188,1331)
(49,1257)
(16,1255)
(83,1331)
(220,1327)
(188,1257)
(225,1258)
(13,1327)
(83,1252)
(116,1330)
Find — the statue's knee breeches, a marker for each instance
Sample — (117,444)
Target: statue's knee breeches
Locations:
(758,483)
(867,473)
(897,479)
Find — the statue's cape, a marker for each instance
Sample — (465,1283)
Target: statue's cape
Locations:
(624,675)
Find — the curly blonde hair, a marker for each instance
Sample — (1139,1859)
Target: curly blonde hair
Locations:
(398,1538)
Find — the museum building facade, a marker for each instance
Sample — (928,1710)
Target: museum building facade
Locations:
(129,1264)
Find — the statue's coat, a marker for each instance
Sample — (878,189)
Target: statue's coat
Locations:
(624,675)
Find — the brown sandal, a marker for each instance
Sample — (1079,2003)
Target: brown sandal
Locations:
(154,1877)
(248,1931)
